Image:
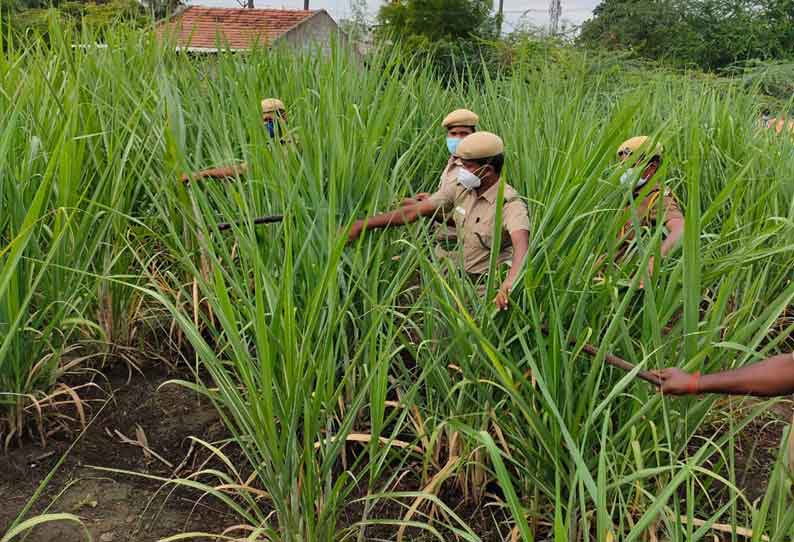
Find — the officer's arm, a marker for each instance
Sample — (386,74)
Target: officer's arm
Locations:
(769,378)
(399,217)
(675,228)
(520,241)
(216,173)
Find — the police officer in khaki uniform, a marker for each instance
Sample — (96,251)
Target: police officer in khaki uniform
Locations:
(647,197)
(458,124)
(274,118)
(471,202)
(778,124)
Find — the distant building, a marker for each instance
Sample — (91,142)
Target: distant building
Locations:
(206,30)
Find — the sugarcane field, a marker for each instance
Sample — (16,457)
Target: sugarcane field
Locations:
(320,294)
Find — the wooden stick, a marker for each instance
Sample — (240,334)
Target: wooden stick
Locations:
(620,363)
(615,361)
(261,220)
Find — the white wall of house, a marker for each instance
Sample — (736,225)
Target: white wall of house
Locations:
(319,30)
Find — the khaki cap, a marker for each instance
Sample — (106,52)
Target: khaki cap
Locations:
(480,145)
(271,105)
(460,117)
(630,146)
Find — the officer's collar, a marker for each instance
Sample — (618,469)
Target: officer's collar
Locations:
(491,193)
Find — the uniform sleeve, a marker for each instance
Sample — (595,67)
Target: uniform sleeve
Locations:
(515,216)
(444,197)
(447,176)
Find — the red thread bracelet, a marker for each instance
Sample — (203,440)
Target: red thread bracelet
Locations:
(694,383)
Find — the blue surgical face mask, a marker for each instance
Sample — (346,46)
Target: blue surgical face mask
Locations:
(271,127)
(452,144)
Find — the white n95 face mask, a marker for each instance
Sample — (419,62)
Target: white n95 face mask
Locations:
(628,180)
(468,180)
(627,177)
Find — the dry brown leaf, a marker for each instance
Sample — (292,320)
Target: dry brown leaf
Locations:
(499,435)
(651,532)
(430,489)
(141,436)
(723,528)
(126,440)
(790,448)
(39,419)
(78,403)
(248,489)
(195,302)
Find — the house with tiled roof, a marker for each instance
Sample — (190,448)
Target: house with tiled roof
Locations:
(207,30)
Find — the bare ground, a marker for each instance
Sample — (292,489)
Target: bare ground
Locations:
(117,507)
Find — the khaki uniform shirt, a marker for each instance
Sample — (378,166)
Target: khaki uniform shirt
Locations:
(446,234)
(779,124)
(647,211)
(474,216)
(450,174)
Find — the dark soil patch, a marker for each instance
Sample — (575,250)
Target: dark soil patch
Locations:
(756,447)
(117,507)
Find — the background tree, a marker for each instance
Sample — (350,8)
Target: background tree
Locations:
(29,19)
(456,35)
(356,26)
(437,20)
(711,34)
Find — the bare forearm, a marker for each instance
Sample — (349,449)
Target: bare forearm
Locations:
(392,218)
(771,377)
(520,241)
(398,217)
(221,172)
(670,242)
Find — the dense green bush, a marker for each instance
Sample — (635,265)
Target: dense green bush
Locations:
(29,23)
(710,34)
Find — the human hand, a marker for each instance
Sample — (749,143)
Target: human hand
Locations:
(675,381)
(355,231)
(422,196)
(502,299)
(650,273)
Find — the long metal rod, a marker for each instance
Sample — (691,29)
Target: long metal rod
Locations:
(261,220)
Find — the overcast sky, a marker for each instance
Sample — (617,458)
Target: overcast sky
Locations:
(516,11)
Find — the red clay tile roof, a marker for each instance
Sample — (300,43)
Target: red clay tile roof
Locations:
(201,27)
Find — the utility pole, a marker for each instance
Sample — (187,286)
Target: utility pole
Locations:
(500,18)
(306,5)
(555,11)
(250,4)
